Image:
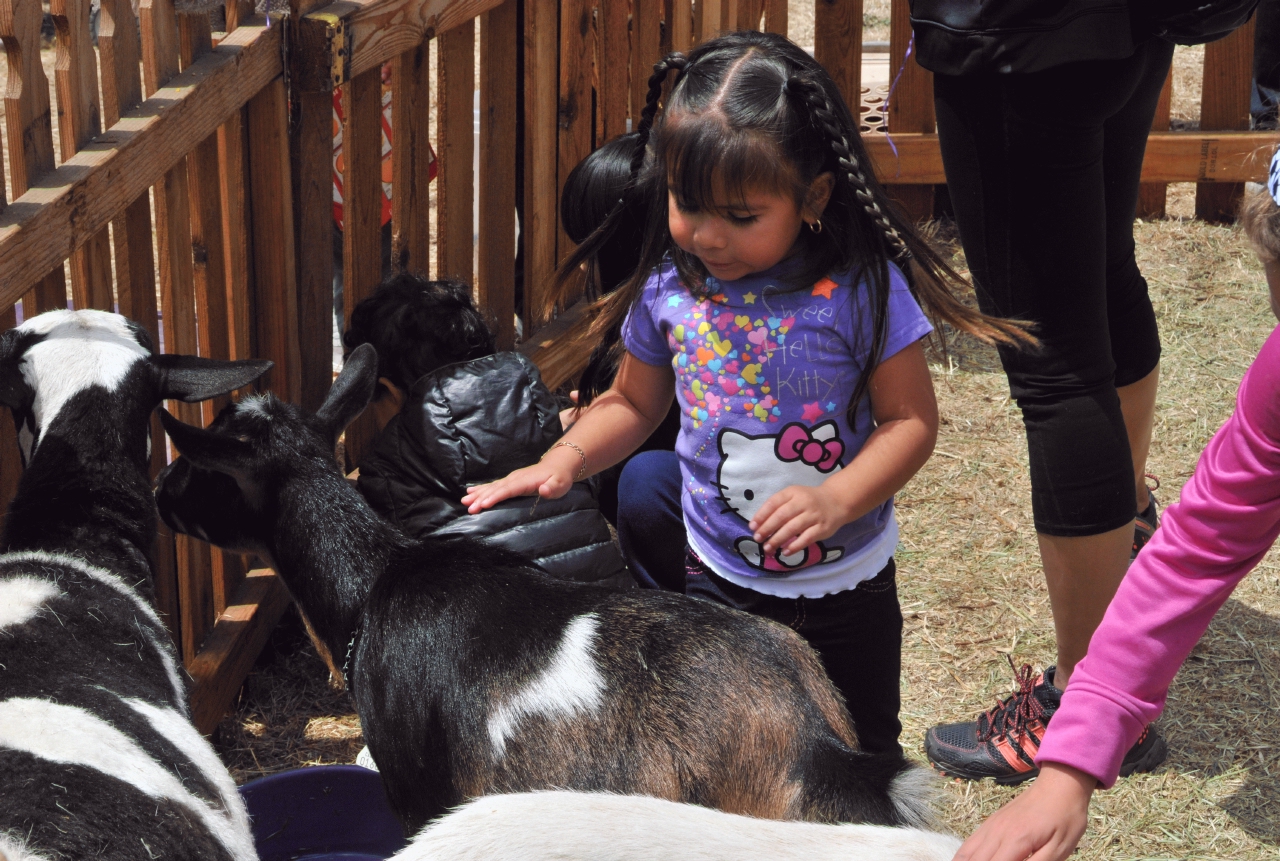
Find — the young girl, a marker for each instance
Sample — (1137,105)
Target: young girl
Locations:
(1227,519)
(770,285)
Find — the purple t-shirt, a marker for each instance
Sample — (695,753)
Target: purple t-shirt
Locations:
(764,377)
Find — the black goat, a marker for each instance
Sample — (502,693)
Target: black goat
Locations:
(474,674)
(98,757)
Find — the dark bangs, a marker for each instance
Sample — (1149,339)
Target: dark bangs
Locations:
(711,167)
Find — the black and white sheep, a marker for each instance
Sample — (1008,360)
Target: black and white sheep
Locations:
(599,826)
(474,674)
(98,758)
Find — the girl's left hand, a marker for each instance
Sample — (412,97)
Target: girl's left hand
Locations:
(795,517)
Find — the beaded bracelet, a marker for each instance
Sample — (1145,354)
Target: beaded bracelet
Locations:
(582,471)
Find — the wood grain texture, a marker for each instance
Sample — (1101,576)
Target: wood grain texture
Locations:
(681,25)
(455,246)
(560,349)
(68,206)
(775,16)
(1224,104)
(311,150)
(29,130)
(646,50)
(1152,195)
(275,296)
(378,31)
(613,80)
(573,111)
(837,44)
(410,183)
(540,218)
(497,244)
(910,107)
(237,637)
(237,236)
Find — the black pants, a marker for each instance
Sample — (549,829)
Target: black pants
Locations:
(1043,171)
(857,634)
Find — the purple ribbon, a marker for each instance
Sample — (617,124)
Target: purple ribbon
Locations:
(887,99)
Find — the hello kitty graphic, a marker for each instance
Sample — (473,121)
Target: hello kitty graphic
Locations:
(754,468)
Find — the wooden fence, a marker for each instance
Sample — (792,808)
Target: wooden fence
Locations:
(193,187)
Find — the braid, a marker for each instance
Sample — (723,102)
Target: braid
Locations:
(675,61)
(824,112)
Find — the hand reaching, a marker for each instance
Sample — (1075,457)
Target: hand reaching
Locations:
(547,479)
(795,517)
(1042,824)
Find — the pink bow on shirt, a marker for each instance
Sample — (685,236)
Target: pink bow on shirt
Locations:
(796,442)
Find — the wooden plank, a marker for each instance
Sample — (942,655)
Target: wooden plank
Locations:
(560,349)
(76,77)
(233,645)
(646,50)
(275,298)
(411,166)
(311,147)
(237,235)
(910,107)
(775,16)
(750,13)
(573,112)
(1224,104)
(455,75)
(837,45)
(1151,195)
(29,129)
(540,217)
(728,15)
(121,92)
(497,242)
(364,35)
(614,49)
(706,22)
(65,208)
(681,25)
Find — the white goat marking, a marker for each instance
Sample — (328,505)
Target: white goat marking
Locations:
(914,793)
(585,826)
(13,849)
(179,731)
(22,599)
(68,734)
(256,404)
(570,685)
(81,349)
(105,577)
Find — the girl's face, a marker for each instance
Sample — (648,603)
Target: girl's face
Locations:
(745,235)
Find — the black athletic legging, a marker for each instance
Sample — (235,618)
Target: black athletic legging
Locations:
(1043,172)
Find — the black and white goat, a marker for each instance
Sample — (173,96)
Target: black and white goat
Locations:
(475,674)
(98,758)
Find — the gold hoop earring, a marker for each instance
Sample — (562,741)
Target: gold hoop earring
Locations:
(816,226)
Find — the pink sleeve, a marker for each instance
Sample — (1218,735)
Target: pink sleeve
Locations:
(1227,519)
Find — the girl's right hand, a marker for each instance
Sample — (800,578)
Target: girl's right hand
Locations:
(1044,823)
(548,479)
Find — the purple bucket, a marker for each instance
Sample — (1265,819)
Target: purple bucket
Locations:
(322,813)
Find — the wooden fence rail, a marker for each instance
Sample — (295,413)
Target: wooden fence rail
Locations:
(195,194)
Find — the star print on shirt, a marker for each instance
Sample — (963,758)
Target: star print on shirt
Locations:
(812,412)
(748,298)
(824,287)
(674,301)
(831,406)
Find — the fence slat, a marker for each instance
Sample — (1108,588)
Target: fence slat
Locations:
(497,251)
(1224,104)
(646,49)
(275,298)
(455,247)
(538,225)
(1152,195)
(910,106)
(837,45)
(707,20)
(681,25)
(775,16)
(573,113)
(76,76)
(29,128)
(749,14)
(410,182)
(614,49)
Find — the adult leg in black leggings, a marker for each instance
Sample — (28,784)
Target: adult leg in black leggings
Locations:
(1043,171)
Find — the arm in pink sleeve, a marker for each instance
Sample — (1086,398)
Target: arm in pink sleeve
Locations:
(1227,519)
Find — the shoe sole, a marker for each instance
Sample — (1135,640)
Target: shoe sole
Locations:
(1001,780)
(1149,761)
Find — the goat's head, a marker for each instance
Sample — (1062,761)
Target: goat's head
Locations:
(231,477)
(61,367)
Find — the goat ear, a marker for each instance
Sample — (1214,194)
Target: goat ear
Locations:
(191,379)
(351,391)
(208,449)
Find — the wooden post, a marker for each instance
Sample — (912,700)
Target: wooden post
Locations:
(410,183)
(749,14)
(682,25)
(1224,104)
(646,32)
(614,48)
(1151,195)
(539,221)
(29,126)
(455,75)
(910,107)
(775,16)
(837,45)
(497,257)
(573,114)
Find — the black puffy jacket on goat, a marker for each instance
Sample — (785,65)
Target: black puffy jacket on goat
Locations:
(472,423)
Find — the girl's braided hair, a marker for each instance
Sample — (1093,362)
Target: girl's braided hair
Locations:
(751,111)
